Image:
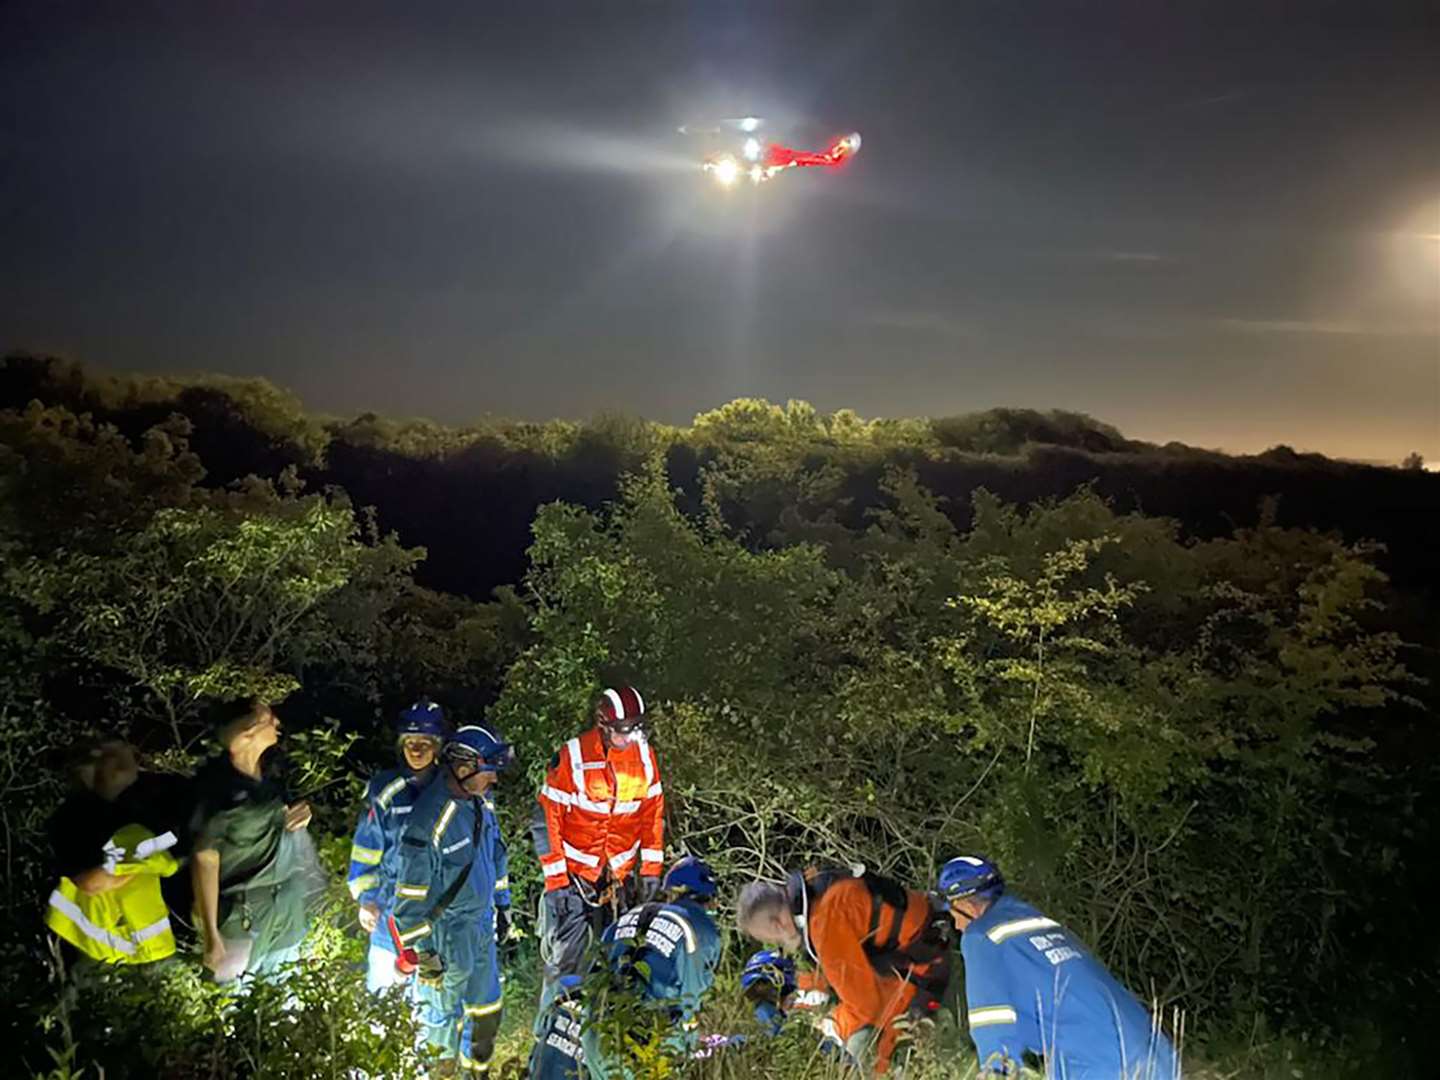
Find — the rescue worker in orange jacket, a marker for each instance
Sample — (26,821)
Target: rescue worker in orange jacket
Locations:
(880,948)
(602,843)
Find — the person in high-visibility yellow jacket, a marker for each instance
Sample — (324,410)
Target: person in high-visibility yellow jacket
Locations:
(111,791)
(124,921)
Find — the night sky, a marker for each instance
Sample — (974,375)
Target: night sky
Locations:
(1219,224)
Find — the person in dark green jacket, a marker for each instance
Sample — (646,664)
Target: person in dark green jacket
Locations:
(252,863)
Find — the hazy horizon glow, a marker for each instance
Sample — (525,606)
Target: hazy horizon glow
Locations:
(1219,226)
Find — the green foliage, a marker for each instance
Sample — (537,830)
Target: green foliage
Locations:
(107,482)
(1009,431)
(1135,726)
(206,603)
(1183,747)
(166,1020)
(29,733)
(221,401)
(164,596)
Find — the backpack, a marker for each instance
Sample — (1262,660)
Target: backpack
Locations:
(888,901)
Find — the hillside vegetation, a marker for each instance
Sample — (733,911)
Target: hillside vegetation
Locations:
(1182,697)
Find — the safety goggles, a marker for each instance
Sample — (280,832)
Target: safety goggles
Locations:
(495,762)
(624,727)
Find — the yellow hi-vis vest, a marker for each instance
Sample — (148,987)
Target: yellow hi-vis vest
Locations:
(129,924)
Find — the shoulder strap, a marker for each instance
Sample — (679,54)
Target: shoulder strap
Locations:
(448,896)
(885,893)
(886,955)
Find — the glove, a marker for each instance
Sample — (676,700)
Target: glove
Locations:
(649,886)
(833,1049)
(769,1016)
(559,904)
(430,970)
(908,1030)
(907,1026)
(860,1047)
(507,937)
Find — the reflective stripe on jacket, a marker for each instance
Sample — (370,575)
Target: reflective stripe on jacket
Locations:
(375,851)
(128,924)
(604,810)
(445,836)
(677,954)
(1032,986)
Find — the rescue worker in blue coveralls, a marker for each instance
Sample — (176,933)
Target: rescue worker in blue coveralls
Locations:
(375,852)
(452,902)
(1035,992)
(660,957)
(664,952)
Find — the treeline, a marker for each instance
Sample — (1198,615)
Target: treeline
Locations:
(467,494)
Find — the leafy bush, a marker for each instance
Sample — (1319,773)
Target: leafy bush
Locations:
(167,1020)
(1145,732)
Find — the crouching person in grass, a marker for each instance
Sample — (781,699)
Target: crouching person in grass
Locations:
(559,1051)
(877,947)
(636,1013)
(1036,995)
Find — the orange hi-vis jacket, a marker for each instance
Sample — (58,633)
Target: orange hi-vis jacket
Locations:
(604,810)
(842,920)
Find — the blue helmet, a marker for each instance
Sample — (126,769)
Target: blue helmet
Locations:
(422,718)
(767,969)
(969,875)
(690,877)
(478,748)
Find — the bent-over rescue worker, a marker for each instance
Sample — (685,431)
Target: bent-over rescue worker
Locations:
(604,818)
(375,852)
(878,947)
(658,961)
(452,897)
(559,1050)
(1033,989)
(250,898)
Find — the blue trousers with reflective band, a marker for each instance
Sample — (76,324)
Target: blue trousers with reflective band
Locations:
(462,1015)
